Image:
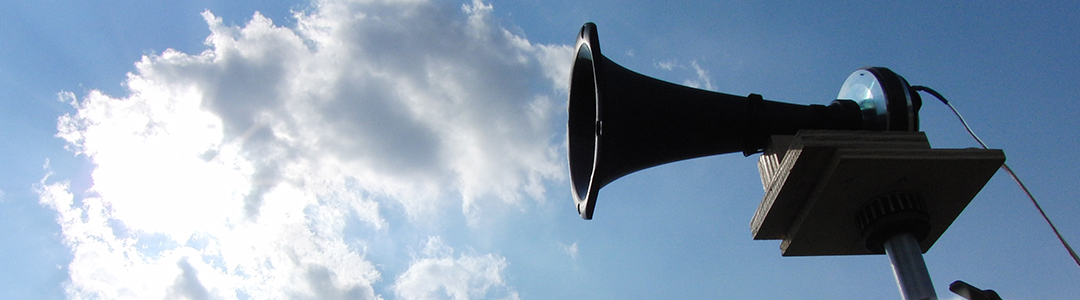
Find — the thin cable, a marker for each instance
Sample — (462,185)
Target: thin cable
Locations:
(1007,170)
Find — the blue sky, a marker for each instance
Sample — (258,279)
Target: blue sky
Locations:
(415,149)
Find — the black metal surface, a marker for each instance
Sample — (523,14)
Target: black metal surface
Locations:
(621,121)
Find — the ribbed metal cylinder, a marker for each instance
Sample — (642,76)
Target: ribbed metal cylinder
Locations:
(891,214)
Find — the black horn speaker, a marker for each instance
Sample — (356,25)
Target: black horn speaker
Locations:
(621,121)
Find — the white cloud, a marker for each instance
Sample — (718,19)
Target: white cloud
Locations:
(279,259)
(465,277)
(702,81)
(571,249)
(668,65)
(187,284)
(232,173)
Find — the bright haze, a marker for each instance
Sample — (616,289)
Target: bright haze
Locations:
(415,149)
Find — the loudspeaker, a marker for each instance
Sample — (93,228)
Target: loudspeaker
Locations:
(621,121)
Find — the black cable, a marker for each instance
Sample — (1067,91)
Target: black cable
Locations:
(1004,167)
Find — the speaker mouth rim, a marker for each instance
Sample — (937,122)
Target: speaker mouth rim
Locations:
(580,126)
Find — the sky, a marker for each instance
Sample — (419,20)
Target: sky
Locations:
(413,149)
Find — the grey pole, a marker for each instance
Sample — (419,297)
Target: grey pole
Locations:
(908,266)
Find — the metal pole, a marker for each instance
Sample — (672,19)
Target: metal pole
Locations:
(908,266)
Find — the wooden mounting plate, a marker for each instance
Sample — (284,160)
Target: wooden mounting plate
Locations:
(824,178)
